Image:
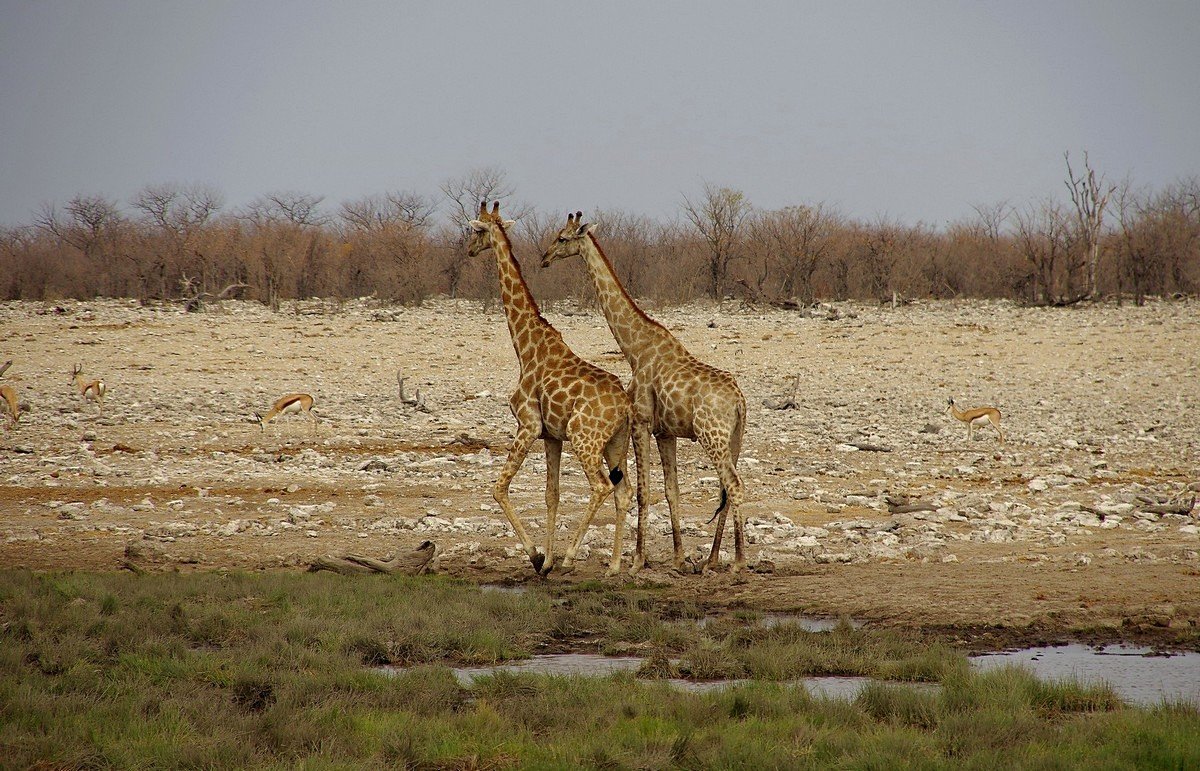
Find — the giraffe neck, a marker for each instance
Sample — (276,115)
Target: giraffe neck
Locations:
(525,322)
(636,333)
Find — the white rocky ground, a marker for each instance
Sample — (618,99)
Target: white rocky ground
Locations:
(1099,408)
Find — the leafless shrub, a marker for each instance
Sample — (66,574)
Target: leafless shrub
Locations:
(177,242)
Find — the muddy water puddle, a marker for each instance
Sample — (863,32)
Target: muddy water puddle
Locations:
(594,665)
(1138,675)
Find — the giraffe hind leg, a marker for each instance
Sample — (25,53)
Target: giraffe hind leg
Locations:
(553,466)
(667,447)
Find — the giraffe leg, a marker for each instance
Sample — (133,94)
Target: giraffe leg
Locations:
(516,456)
(590,457)
(641,456)
(553,463)
(615,453)
(667,454)
(731,483)
(716,440)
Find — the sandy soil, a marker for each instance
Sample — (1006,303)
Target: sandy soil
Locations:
(1055,531)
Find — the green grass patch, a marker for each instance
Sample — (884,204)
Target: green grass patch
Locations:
(272,670)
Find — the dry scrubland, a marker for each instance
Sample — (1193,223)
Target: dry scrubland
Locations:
(1053,532)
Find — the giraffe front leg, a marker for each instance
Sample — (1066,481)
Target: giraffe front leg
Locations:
(553,465)
(516,456)
(667,454)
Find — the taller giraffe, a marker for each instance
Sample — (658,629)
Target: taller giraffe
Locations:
(559,397)
(675,395)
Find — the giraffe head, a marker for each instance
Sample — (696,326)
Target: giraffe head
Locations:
(484,226)
(569,241)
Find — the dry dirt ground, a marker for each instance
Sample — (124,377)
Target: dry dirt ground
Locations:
(1060,530)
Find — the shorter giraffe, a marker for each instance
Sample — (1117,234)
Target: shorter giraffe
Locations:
(559,398)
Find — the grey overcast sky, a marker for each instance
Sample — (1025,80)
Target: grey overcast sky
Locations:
(908,110)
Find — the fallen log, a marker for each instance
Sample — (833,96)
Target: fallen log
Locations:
(410,563)
(1183,507)
(788,403)
(909,508)
(868,447)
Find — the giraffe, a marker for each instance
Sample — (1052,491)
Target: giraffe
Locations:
(559,397)
(675,395)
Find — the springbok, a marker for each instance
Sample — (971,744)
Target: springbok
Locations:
(288,404)
(976,417)
(8,400)
(90,390)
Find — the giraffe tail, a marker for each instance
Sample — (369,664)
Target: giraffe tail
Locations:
(616,475)
(724,503)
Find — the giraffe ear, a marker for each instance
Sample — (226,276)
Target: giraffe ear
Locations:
(478,225)
(585,228)
(509,223)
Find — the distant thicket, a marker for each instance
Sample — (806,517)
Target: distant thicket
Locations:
(179,242)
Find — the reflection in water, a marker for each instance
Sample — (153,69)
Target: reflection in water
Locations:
(1134,673)
(593,665)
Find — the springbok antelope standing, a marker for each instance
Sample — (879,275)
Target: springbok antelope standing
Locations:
(288,404)
(8,400)
(90,390)
(976,417)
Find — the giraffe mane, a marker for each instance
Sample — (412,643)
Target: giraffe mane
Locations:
(637,308)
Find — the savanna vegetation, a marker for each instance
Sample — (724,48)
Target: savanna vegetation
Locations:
(270,670)
(178,241)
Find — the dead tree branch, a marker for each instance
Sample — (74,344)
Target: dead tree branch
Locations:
(416,401)
(4,367)
(788,403)
(411,563)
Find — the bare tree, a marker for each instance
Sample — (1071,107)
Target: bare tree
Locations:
(796,240)
(384,239)
(177,214)
(1044,241)
(286,230)
(1133,252)
(389,210)
(719,217)
(880,246)
(1089,196)
(88,219)
(285,206)
(464,194)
